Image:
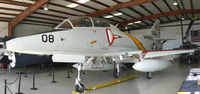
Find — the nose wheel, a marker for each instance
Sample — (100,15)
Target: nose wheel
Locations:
(116,74)
(79,87)
(148,75)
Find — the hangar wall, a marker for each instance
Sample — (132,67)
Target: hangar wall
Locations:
(28,29)
(170,31)
(3,29)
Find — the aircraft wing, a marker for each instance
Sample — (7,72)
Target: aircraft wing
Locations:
(159,53)
(152,53)
(146,54)
(128,53)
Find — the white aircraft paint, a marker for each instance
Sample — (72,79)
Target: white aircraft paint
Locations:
(91,37)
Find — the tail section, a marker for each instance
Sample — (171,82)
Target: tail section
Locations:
(154,31)
(154,36)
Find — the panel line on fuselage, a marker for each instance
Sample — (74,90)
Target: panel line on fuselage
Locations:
(136,41)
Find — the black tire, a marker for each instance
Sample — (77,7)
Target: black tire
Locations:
(116,74)
(148,75)
(79,88)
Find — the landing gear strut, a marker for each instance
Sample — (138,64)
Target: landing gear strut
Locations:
(148,75)
(79,87)
(116,70)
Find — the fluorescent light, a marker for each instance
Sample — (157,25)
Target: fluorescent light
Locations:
(117,14)
(109,16)
(137,22)
(46,7)
(72,5)
(82,1)
(130,23)
(175,3)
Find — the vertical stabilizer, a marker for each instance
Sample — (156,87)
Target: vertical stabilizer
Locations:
(154,31)
(154,35)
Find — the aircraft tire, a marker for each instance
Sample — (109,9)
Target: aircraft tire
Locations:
(79,88)
(148,75)
(116,74)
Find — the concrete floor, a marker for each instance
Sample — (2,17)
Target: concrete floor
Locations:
(163,82)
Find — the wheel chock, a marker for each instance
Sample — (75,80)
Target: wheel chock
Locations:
(74,92)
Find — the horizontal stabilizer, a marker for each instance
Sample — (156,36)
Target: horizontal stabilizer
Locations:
(162,39)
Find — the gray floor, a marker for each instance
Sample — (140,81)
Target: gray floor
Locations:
(164,82)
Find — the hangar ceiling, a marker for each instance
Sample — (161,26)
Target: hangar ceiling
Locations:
(124,12)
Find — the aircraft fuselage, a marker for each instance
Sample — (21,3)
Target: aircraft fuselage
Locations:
(82,40)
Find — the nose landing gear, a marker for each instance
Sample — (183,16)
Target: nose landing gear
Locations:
(79,87)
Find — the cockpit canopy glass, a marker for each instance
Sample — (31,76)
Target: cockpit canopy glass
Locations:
(100,22)
(81,22)
(65,25)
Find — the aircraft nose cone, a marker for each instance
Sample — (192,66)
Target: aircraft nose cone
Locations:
(14,45)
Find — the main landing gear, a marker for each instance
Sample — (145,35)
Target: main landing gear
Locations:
(116,70)
(148,75)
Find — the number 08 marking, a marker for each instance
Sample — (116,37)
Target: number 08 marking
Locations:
(46,38)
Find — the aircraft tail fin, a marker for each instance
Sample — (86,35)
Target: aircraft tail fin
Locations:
(154,31)
(189,29)
(154,35)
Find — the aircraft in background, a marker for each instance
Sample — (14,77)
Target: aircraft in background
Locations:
(82,39)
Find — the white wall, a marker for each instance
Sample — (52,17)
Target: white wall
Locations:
(3,29)
(173,32)
(28,29)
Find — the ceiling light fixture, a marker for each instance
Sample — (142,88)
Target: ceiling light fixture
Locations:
(72,5)
(108,16)
(126,27)
(182,18)
(118,14)
(82,1)
(138,22)
(46,7)
(130,23)
(175,3)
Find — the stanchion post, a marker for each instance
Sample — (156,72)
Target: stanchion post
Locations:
(53,74)
(19,87)
(68,70)
(5,89)
(71,67)
(34,88)
(50,69)
(25,72)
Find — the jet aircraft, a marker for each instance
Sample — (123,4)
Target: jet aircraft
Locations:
(82,39)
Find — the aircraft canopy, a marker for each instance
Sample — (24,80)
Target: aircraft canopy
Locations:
(83,22)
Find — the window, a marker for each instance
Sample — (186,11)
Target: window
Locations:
(65,25)
(81,22)
(100,23)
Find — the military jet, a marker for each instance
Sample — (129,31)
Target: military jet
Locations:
(82,39)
